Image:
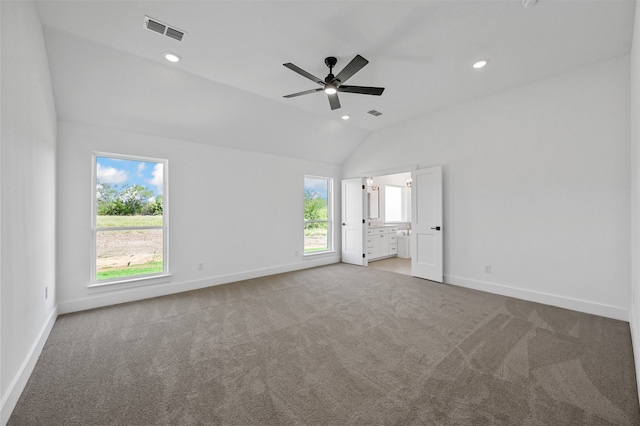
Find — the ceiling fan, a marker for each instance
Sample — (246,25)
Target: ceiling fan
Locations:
(333,84)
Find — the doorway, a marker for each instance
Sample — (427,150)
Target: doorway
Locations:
(395,217)
(389,222)
(393,264)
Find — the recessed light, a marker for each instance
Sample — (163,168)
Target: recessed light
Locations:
(172,57)
(479,64)
(345,117)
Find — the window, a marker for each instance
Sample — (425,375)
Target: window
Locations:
(129,218)
(396,204)
(317,214)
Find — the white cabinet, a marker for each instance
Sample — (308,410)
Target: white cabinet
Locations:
(382,242)
(369,244)
(380,245)
(404,246)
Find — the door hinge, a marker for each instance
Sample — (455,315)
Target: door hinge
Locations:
(363,187)
(363,255)
(363,221)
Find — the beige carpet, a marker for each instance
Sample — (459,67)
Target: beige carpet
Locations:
(334,345)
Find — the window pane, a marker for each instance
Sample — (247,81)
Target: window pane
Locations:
(128,253)
(315,237)
(127,191)
(393,204)
(316,199)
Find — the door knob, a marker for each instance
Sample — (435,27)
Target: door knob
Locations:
(437,228)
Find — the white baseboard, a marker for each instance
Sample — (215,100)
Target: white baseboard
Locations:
(20,380)
(146,292)
(635,344)
(608,311)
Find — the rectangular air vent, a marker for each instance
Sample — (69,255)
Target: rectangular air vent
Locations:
(175,34)
(374,113)
(162,28)
(155,26)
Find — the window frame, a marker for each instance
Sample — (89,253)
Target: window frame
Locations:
(405,212)
(328,221)
(142,278)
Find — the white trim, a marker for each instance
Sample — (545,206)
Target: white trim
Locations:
(19,382)
(635,345)
(318,253)
(588,307)
(139,293)
(380,173)
(138,281)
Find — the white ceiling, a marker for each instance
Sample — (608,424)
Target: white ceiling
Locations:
(228,89)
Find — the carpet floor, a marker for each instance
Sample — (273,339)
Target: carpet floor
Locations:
(334,345)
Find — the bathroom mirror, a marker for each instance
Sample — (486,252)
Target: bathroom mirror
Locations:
(373,198)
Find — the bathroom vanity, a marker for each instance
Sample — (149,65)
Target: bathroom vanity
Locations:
(382,241)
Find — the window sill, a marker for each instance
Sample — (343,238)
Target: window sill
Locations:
(99,287)
(318,253)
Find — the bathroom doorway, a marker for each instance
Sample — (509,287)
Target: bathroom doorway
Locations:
(389,222)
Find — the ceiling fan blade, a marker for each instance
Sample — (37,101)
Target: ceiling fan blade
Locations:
(377,91)
(304,73)
(306,92)
(352,67)
(334,101)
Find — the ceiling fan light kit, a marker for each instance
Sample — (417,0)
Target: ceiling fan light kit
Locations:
(330,89)
(332,84)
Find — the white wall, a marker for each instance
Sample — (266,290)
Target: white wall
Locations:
(536,183)
(233,210)
(28,154)
(634,305)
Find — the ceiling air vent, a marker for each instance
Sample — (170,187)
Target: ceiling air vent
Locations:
(173,33)
(162,28)
(374,113)
(155,26)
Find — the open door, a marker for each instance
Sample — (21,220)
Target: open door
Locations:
(353,221)
(426,224)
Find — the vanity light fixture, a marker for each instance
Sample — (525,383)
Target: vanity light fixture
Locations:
(479,64)
(345,117)
(172,57)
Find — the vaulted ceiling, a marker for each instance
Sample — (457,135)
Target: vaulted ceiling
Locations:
(109,70)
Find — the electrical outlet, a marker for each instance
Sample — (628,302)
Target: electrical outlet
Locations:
(46,292)
(200,266)
(487,269)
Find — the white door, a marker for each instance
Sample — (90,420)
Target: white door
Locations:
(426,223)
(354,196)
